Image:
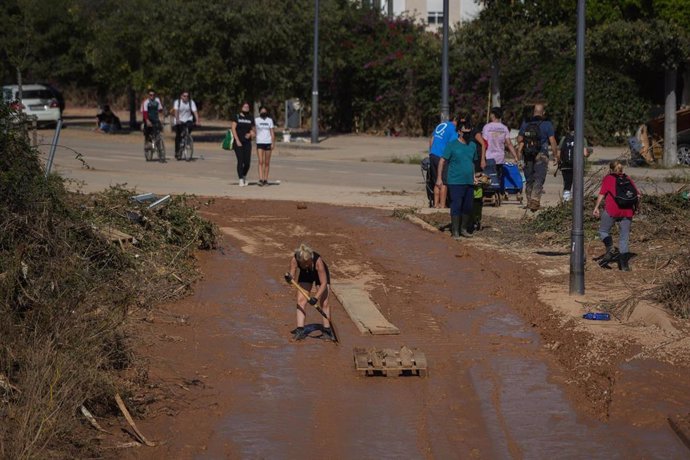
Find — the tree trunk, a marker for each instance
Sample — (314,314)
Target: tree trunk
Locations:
(495,83)
(132,110)
(20,94)
(685,99)
(670,141)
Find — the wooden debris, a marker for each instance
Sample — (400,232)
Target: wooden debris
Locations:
(92,420)
(681,425)
(128,417)
(116,236)
(391,363)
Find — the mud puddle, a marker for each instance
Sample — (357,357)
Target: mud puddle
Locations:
(493,391)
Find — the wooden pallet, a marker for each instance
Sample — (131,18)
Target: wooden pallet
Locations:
(389,362)
(116,236)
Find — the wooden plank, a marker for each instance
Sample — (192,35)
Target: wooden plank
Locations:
(115,235)
(681,426)
(362,310)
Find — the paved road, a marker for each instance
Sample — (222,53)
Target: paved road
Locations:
(315,175)
(347,170)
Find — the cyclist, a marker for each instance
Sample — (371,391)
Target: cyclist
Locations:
(184,114)
(152,110)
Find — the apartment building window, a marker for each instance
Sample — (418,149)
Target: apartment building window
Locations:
(434,10)
(435,17)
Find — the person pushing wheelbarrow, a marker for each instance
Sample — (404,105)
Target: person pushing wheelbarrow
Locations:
(313,272)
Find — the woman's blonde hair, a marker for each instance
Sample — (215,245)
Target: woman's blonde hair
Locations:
(616,167)
(304,253)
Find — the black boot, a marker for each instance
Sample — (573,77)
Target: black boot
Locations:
(610,255)
(455,226)
(465,227)
(299,334)
(623,261)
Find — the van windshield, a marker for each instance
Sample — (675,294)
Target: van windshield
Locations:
(37,94)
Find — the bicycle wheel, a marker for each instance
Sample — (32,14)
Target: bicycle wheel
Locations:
(148,150)
(188,151)
(160,146)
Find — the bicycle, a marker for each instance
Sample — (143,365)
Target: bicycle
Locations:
(154,144)
(186,151)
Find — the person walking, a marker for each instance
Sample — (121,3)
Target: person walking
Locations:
(242,127)
(184,114)
(565,164)
(621,202)
(459,157)
(535,137)
(497,139)
(265,143)
(313,271)
(444,133)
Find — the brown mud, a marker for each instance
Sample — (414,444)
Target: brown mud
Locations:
(231,384)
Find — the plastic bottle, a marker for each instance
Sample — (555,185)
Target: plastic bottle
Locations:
(597,316)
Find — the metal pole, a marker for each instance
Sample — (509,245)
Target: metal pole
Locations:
(315,81)
(53,146)
(445,109)
(390,9)
(577,254)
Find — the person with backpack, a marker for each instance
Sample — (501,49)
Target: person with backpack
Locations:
(622,199)
(565,164)
(184,114)
(535,137)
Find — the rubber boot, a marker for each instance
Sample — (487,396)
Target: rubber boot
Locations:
(533,205)
(465,226)
(455,227)
(623,261)
(299,334)
(610,255)
(327,334)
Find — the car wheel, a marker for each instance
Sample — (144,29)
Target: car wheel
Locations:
(684,154)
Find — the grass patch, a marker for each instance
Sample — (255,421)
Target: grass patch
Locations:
(410,159)
(402,213)
(678,178)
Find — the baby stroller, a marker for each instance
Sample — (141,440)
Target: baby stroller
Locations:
(492,192)
(513,181)
(426,174)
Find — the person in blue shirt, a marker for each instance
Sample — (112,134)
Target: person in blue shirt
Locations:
(535,137)
(445,132)
(459,157)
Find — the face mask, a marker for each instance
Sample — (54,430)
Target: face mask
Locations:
(467,136)
(263,115)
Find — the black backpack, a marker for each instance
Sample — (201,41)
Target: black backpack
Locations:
(567,150)
(626,194)
(532,139)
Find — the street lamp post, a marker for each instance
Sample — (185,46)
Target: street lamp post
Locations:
(577,251)
(445,109)
(315,80)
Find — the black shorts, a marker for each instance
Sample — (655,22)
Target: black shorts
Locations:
(264,146)
(433,169)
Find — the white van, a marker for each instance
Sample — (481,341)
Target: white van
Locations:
(37,100)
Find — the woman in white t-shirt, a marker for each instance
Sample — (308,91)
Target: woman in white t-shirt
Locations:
(265,141)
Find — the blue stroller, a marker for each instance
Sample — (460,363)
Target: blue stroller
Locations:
(513,181)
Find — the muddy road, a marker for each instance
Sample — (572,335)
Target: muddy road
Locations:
(235,386)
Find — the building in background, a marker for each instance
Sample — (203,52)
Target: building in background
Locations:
(430,12)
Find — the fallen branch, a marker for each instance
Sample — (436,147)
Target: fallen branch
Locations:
(125,412)
(92,420)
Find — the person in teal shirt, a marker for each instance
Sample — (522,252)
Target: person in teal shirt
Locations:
(459,157)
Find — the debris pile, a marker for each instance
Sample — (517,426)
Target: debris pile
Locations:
(67,290)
